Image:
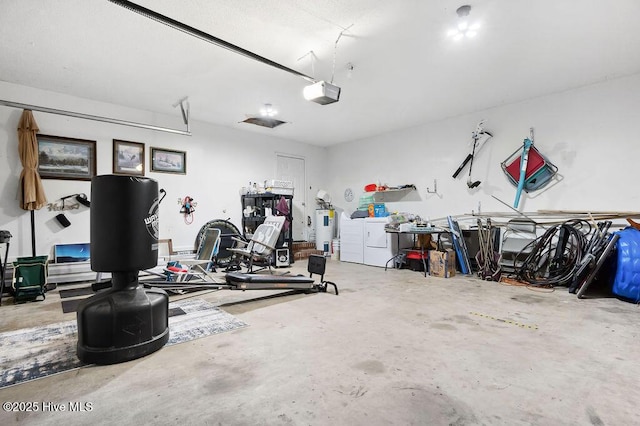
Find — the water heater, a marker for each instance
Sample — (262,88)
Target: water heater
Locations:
(325,229)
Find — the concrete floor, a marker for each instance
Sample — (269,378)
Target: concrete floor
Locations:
(393,348)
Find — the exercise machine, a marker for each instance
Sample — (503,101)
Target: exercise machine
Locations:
(317,265)
(245,281)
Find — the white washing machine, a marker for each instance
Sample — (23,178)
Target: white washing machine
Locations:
(366,241)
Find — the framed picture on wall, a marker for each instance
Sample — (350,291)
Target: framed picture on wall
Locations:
(128,158)
(66,158)
(168,161)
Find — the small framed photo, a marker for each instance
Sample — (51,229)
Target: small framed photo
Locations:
(168,161)
(66,158)
(128,158)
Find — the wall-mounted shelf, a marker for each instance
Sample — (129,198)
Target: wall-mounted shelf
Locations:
(392,194)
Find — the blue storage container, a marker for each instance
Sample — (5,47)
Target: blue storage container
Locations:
(626,284)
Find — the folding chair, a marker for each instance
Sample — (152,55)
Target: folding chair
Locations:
(517,243)
(262,244)
(199,267)
(228,231)
(29,278)
(538,172)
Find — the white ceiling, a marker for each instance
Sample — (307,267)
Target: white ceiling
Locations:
(406,70)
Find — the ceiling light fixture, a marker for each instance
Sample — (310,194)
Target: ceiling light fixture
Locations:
(148,13)
(268,122)
(268,111)
(464,29)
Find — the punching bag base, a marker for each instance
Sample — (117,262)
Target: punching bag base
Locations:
(120,325)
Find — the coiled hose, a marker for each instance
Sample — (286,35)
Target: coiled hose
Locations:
(555,256)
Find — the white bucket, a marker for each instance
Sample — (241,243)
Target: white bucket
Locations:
(336,249)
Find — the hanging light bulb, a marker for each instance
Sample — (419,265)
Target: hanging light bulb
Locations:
(268,111)
(464,29)
(472,31)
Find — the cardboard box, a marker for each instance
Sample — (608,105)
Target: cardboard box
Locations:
(442,263)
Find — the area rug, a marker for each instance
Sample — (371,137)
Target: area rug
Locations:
(33,353)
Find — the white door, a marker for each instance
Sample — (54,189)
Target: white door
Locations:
(293,169)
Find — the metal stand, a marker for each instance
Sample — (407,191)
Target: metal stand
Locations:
(401,256)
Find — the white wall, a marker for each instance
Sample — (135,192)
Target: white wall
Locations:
(590,134)
(219,162)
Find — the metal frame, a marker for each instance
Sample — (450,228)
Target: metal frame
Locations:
(99,118)
(68,173)
(118,145)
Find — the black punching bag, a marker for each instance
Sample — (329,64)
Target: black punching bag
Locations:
(127,321)
(124,223)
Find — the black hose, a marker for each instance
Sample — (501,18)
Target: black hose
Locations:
(555,256)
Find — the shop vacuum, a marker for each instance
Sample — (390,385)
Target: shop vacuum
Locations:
(126,321)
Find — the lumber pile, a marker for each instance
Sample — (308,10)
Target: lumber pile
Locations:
(551,217)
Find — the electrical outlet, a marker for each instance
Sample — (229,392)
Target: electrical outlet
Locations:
(179,200)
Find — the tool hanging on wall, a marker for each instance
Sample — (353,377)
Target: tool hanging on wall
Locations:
(60,205)
(187,208)
(479,138)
